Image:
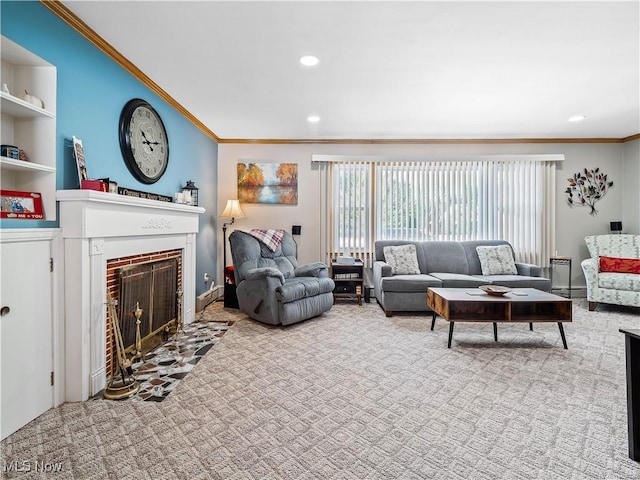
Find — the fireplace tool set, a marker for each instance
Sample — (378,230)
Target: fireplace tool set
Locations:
(179,324)
(125,385)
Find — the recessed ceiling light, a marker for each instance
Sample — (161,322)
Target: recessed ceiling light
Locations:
(577,118)
(309,60)
(313,119)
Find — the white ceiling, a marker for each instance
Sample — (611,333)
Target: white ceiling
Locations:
(388,70)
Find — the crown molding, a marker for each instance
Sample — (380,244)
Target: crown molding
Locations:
(424,141)
(83,29)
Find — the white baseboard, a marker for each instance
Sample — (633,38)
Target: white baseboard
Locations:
(576,292)
(211,295)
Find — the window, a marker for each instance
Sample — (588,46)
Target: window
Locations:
(512,200)
(352,212)
(427,201)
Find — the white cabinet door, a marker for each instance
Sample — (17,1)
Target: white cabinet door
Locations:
(26,359)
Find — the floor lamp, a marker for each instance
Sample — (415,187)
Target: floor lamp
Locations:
(232,210)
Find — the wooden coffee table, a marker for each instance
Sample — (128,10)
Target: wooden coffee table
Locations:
(521,305)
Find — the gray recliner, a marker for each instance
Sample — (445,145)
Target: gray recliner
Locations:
(271,287)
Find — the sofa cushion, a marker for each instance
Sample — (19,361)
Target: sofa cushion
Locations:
(619,281)
(497,260)
(409,283)
(458,280)
(472,254)
(300,287)
(519,281)
(620,265)
(613,245)
(403,259)
(379,251)
(249,253)
(445,257)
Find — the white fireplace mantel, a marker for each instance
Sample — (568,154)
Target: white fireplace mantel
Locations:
(97,226)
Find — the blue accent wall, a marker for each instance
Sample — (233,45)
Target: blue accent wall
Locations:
(92,89)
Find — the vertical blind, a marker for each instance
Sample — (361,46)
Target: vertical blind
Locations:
(512,200)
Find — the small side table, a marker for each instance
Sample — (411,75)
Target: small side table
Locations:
(632,353)
(230,297)
(349,280)
(559,260)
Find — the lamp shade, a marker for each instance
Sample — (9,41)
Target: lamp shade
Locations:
(232,210)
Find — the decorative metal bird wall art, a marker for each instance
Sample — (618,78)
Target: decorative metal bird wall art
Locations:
(587,187)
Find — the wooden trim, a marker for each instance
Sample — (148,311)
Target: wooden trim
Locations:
(421,141)
(422,158)
(83,29)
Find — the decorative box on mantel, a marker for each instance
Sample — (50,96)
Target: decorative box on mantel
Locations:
(97,226)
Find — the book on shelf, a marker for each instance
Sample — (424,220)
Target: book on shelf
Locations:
(346,276)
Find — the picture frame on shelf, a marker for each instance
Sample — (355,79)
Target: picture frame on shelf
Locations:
(81,163)
(19,205)
(112,186)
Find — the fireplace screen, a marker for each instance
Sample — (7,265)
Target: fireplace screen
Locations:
(152,286)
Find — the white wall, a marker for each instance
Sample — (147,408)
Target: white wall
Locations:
(631,187)
(573,223)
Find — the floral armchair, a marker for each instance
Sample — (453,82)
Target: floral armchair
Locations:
(613,271)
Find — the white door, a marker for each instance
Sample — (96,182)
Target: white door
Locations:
(26,359)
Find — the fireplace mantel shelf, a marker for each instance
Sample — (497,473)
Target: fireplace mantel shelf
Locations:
(123,200)
(91,214)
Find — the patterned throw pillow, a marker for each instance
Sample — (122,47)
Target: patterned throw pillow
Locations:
(620,265)
(403,259)
(497,260)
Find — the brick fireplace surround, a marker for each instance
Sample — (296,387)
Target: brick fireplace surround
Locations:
(96,227)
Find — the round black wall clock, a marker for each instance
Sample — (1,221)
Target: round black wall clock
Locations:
(143,141)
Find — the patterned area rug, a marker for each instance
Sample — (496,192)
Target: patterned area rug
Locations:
(355,395)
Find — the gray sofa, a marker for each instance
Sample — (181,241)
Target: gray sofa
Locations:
(272,288)
(443,264)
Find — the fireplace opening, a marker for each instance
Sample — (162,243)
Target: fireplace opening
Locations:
(151,283)
(153,288)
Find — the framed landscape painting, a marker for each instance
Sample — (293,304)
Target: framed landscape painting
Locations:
(273,183)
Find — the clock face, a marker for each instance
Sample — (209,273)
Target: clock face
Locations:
(143,141)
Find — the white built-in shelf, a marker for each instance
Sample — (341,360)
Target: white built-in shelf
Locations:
(28,127)
(18,108)
(24,166)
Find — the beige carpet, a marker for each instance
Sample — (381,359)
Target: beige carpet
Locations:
(356,395)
